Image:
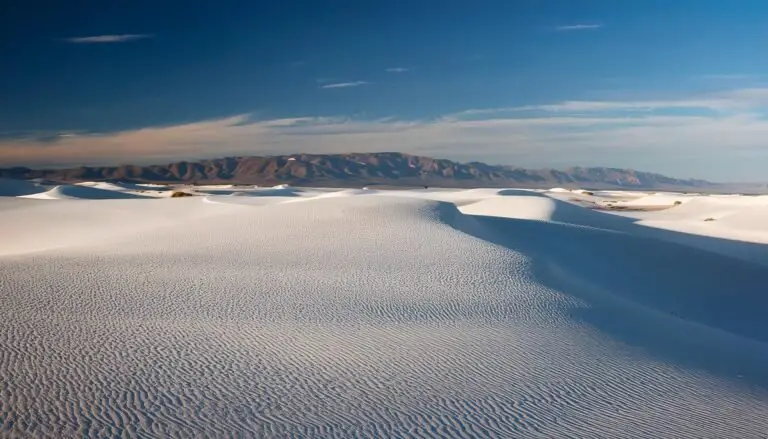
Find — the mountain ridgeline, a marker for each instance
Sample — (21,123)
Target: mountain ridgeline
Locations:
(348,170)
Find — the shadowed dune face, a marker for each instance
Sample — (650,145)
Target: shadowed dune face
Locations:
(664,297)
(746,215)
(368,313)
(65,192)
(16,188)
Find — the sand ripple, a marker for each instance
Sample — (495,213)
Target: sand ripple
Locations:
(347,317)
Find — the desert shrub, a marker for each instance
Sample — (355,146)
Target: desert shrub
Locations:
(179,194)
(677,203)
(709,219)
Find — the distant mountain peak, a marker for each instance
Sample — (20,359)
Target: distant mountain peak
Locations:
(357,169)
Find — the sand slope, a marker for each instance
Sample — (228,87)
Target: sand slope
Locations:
(78,192)
(371,314)
(730,225)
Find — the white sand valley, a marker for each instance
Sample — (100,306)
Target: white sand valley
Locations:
(296,312)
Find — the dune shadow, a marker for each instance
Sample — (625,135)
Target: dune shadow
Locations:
(572,214)
(747,251)
(679,304)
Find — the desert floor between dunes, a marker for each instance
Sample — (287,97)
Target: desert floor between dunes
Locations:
(293,312)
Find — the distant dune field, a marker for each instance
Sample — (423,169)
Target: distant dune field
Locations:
(317,313)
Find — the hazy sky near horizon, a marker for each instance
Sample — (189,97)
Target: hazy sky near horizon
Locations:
(677,87)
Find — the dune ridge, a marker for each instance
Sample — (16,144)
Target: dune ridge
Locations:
(479,313)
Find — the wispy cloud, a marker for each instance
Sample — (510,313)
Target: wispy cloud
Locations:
(397,70)
(577,27)
(731,142)
(728,77)
(345,84)
(724,101)
(100,39)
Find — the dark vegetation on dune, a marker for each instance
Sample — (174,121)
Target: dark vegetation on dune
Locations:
(180,194)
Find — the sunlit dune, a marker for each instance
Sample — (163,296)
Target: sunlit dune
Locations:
(305,312)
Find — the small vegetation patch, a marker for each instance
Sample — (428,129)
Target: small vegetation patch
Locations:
(677,203)
(709,219)
(179,194)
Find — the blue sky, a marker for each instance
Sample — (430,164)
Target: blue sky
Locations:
(677,87)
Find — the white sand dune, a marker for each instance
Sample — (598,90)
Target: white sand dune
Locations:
(754,218)
(152,186)
(277,191)
(657,200)
(215,187)
(126,186)
(731,225)
(480,313)
(716,207)
(41,225)
(105,185)
(522,204)
(620,194)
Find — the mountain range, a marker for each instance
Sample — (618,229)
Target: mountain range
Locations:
(347,170)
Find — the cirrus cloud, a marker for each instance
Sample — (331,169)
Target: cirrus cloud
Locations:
(101,39)
(345,84)
(724,144)
(577,27)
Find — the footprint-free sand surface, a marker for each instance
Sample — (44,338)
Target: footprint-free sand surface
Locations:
(290,312)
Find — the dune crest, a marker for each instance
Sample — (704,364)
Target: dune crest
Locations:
(324,313)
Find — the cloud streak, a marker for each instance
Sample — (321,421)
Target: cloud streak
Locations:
(102,39)
(725,101)
(729,77)
(345,84)
(590,133)
(578,27)
(397,70)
